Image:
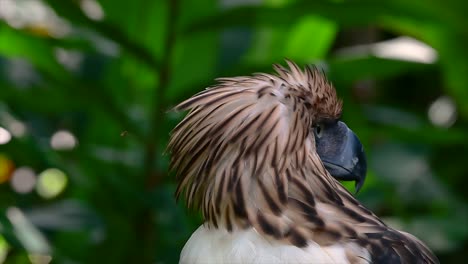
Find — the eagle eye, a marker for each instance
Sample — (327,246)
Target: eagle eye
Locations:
(318,130)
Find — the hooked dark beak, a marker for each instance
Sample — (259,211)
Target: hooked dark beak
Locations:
(342,154)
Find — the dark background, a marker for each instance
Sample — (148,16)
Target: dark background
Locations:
(86,85)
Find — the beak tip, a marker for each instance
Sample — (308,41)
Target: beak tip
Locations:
(357,186)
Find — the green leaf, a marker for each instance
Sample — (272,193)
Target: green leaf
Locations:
(310,39)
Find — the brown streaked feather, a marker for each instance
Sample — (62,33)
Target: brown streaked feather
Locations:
(245,156)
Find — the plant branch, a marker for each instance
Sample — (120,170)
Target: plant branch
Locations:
(151,178)
(159,109)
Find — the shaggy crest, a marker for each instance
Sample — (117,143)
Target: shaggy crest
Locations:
(245,155)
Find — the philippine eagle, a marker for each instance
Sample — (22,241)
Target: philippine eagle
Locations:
(260,157)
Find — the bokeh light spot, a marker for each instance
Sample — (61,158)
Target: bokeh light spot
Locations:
(71,59)
(14,126)
(6,168)
(23,180)
(39,258)
(443,112)
(5,136)
(92,9)
(63,140)
(4,247)
(33,241)
(34,15)
(17,128)
(51,183)
(407,49)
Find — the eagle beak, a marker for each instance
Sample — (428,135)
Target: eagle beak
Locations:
(343,154)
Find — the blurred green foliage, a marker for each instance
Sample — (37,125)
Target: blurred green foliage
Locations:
(108,72)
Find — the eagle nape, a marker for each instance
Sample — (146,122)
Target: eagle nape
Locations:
(341,152)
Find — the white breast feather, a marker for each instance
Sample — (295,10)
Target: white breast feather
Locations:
(248,247)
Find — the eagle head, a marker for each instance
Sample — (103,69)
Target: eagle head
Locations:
(254,150)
